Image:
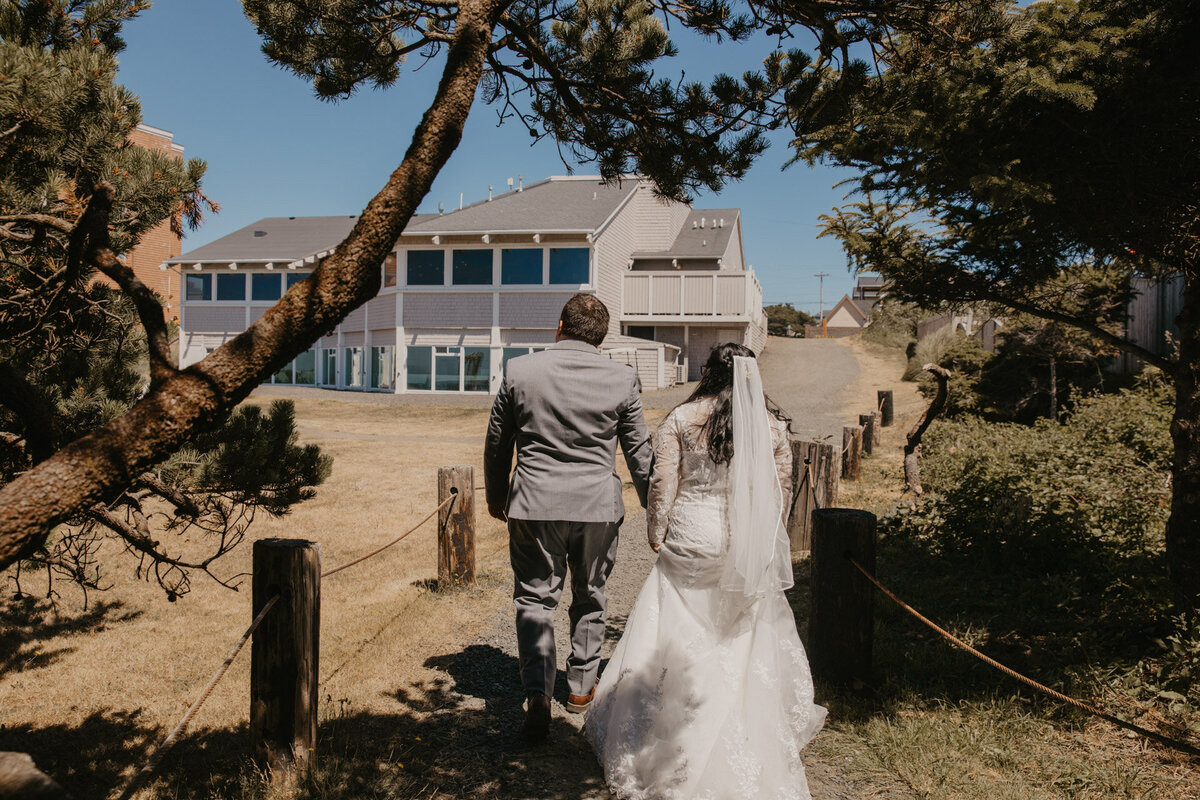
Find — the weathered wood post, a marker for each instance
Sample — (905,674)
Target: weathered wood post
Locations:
(283,657)
(877,430)
(840,628)
(867,423)
(814,485)
(456,526)
(885,407)
(852,444)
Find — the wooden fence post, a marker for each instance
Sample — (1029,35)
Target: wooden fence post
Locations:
(814,485)
(852,444)
(284,656)
(867,423)
(884,404)
(841,625)
(456,526)
(877,431)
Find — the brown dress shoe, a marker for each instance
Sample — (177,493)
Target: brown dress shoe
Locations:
(537,717)
(577,704)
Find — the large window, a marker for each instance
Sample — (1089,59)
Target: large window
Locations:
(447,362)
(449,368)
(352,367)
(266,286)
(301,371)
(477,364)
(295,277)
(329,366)
(306,368)
(521,265)
(231,287)
(568,265)
(382,367)
(199,287)
(426,267)
(420,368)
(472,268)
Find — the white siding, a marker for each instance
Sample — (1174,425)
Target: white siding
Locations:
(733,260)
(526,336)
(533,309)
(443,337)
(658,220)
(222,319)
(353,339)
(731,294)
(646,362)
(383,337)
(697,294)
(667,296)
(613,248)
(381,312)
(355,320)
(842,319)
(447,310)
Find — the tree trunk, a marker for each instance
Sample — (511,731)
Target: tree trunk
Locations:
(99,466)
(1183,526)
(1053,388)
(912,445)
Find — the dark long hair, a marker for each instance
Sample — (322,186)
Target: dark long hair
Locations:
(717,381)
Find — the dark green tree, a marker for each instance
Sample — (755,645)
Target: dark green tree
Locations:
(579,71)
(1057,137)
(782,316)
(74,355)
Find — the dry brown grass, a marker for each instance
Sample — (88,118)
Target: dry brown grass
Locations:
(131,664)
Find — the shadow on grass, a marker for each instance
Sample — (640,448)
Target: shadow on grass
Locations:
(455,735)
(1062,612)
(30,628)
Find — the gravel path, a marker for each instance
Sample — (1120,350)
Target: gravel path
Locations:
(807,379)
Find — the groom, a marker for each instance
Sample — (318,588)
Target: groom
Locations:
(564,409)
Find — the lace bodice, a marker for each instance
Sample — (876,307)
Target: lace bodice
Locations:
(683,470)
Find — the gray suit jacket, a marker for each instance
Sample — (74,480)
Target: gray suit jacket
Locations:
(564,409)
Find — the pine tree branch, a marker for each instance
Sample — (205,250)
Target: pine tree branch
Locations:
(103,463)
(1167,365)
(49,220)
(30,406)
(94,226)
(184,505)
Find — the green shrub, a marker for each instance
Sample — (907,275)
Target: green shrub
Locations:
(1101,475)
(893,324)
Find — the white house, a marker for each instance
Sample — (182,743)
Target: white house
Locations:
(465,291)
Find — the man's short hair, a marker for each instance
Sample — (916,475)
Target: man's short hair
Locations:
(585,318)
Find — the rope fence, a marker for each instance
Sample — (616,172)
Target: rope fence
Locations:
(167,743)
(1175,744)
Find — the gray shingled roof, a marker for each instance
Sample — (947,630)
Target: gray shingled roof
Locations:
(277,239)
(697,242)
(575,205)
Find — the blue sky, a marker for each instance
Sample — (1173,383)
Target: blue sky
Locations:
(275,150)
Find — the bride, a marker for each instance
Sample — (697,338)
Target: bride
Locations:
(708,695)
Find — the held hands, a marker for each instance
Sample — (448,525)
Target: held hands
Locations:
(497,512)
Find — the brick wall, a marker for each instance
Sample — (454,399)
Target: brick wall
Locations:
(159,244)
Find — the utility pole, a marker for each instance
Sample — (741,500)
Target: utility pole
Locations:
(821,301)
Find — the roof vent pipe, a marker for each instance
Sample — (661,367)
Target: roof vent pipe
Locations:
(520,183)
(460,195)
(489,193)
(510,184)
(441,208)
(702,222)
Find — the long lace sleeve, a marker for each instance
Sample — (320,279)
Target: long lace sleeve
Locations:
(664,482)
(783,461)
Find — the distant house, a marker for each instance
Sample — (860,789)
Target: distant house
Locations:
(846,318)
(463,292)
(965,321)
(868,291)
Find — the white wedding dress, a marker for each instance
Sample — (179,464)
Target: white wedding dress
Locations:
(705,697)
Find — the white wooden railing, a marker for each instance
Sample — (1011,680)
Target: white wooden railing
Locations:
(680,296)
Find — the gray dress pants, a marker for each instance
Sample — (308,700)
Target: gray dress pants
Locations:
(542,552)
